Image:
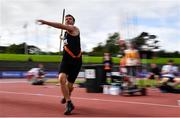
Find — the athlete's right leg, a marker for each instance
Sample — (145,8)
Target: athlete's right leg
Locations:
(64,87)
(65,91)
(70,87)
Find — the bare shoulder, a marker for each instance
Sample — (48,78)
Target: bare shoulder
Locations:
(75,30)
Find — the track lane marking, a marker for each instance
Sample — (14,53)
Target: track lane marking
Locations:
(12,82)
(92,99)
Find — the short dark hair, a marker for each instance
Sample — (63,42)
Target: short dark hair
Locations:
(69,15)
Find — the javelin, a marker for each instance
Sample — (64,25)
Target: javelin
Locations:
(61,35)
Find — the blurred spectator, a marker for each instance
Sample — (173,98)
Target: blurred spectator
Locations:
(36,75)
(122,66)
(107,61)
(41,72)
(154,72)
(122,44)
(132,59)
(132,55)
(169,73)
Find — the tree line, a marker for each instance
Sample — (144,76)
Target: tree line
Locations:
(144,42)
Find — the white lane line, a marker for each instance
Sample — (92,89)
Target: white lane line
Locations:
(93,99)
(11,82)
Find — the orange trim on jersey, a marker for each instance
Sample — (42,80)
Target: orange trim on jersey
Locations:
(71,54)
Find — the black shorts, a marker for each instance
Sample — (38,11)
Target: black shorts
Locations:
(71,69)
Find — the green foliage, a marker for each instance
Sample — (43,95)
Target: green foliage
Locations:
(143,40)
(99,50)
(110,46)
(15,49)
(162,53)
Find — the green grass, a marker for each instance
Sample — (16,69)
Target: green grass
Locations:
(36,58)
(55,81)
(86,59)
(150,83)
(92,59)
(146,83)
(160,60)
(178,86)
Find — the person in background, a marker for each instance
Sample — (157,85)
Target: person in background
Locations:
(154,72)
(122,65)
(41,71)
(153,75)
(107,61)
(169,73)
(132,61)
(169,81)
(36,75)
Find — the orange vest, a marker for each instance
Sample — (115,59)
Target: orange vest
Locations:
(123,61)
(131,54)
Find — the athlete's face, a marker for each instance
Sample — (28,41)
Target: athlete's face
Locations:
(69,20)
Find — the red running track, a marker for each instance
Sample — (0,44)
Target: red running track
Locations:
(20,99)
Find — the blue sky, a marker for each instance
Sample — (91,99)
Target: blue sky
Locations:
(95,18)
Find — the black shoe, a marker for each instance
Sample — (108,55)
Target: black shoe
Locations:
(69,108)
(63,100)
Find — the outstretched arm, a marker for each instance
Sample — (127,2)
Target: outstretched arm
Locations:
(69,28)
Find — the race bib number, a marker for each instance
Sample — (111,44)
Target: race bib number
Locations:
(65,42)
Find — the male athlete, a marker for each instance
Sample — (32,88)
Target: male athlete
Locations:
(71,61)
